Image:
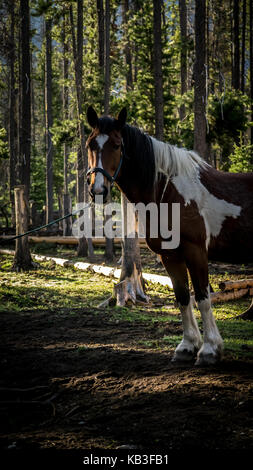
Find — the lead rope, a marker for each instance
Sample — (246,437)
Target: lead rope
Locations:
(46,225)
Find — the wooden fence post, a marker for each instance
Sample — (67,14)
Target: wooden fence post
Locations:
(22,258)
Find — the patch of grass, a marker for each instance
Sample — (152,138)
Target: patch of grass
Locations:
(172,340)
(229,310)
(238,348)
(54,288)
(238,337)
(50,287)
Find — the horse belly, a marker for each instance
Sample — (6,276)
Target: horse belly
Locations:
(234,243)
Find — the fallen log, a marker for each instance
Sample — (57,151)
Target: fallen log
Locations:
(238,284)
(61,240)
(228,295)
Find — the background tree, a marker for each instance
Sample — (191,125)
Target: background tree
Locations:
(200,79)
(107,57)
(49,121)
(84,247)
(22,258)
(25,100)
(236,47)
(251,67)
(13,131)
(225,112)
(158,76)
(183,52)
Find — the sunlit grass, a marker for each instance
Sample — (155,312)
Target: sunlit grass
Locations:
(50,287)
(55,288)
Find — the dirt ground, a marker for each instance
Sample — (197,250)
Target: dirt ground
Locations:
(83,380)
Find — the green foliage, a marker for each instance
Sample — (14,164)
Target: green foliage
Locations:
(228,112)
(228,116)
(4,149)
(242,158)
(185,128)
(38,180)
(64,132)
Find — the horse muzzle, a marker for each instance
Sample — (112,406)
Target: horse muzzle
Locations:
(98,196)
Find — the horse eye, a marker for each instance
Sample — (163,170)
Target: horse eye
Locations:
(116,146)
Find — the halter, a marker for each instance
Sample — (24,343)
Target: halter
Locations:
(110,178)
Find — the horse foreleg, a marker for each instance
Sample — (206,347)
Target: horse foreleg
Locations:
(191,341)
(212,348)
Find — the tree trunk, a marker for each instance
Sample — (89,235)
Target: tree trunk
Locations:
(236,47)
(49,122)
(127,51)
(67,223)
(107,58)
(131,285)
(12,113)
(25,115)
(101,45)
(158,79)
(85,247)
(251,70)
(65,102)
(244,16)
(101,34)
(183,53)
(22,258)
(200,80)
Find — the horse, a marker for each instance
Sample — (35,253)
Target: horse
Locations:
(216,215)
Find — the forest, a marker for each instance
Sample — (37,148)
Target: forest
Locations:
(183,69)
(89,337)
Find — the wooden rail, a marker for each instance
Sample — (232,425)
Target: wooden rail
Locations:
(70,240)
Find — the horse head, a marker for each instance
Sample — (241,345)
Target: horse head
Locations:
(105,151)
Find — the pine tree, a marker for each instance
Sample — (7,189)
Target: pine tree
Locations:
(158,75)
(200,79)
(49,121)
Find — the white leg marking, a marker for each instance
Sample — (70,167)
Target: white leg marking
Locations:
(212,348)
(191,341)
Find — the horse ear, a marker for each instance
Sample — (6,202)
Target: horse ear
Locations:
(92,117)
(122,118)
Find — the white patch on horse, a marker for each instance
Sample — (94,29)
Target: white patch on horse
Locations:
(182,168)
(98,187)
(101,139)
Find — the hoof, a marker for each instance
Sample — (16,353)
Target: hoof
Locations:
(208,359)
(185,355)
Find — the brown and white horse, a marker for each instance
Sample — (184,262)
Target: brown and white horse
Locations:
(216,217)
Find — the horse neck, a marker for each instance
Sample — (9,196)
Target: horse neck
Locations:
(137,175)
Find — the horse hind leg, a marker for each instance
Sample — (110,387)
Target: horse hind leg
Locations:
(191,342)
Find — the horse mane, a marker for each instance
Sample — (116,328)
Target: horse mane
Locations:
(151,158)
(173,161)
(140,156)
(148,158)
